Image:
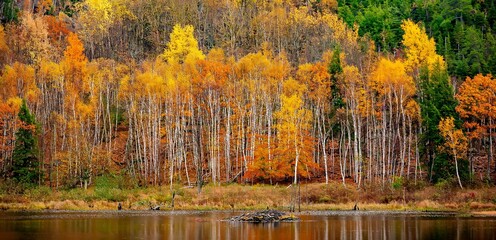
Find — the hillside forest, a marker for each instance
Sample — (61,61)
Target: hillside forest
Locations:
(194,92)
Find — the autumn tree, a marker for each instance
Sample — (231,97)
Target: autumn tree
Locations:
(478,110)
(420,50)
(395,91)
(435,94)
(455,142)
(318,81)
(9,124)
(182,46)
(4,49)
(96,18)
(292,130)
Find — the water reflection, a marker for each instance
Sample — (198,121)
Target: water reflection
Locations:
(208,225)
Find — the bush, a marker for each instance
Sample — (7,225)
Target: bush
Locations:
(39,193)
(109,187)
(397,183)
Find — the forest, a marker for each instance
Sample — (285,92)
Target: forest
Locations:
(195,92)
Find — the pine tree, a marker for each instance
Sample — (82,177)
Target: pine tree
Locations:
(25,156)
(437,102)
(10,11)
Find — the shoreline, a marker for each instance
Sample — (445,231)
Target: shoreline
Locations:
(104,206)
(336,212)
(235,197)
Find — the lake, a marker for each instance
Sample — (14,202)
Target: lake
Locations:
(68,225)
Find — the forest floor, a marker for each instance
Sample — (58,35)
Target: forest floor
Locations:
(479,200)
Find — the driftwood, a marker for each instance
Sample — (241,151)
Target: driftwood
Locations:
(265,216)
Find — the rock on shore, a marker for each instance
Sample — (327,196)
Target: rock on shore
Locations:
(265,216)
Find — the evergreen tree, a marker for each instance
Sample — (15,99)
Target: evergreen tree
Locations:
(335,69)
(10,11)
(437,101)
(25,156)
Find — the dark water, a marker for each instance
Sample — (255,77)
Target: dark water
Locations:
(209,225)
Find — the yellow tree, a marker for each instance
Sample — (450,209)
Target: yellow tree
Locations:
(355,98)
(182,46)
(420,50)
(78,109)
(455,142)
(395,90)
(18,80)
(293,123)
(97,17)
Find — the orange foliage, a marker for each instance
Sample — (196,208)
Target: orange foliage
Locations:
(57,29)
(477,104)
(75,62)
(18,80)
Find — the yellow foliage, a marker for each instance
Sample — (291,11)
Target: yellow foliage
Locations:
(292,117)
(419,48)
(18,80)
(391,76)
(182,47)
(14,102)
(97,16)
(355,93)
(390,80)
(455,141)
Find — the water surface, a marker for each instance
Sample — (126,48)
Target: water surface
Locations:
(68,225)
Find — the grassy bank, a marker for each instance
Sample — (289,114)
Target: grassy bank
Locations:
(314,196)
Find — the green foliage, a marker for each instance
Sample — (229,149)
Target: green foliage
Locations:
(10,11)
(436,101)
(463,29)
(335,69)
(109,187)
(39,193)
(397,183)
(116,115)
(25,155)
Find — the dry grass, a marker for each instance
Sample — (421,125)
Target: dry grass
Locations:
(314,196)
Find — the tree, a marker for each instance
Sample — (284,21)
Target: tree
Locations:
(477,97)
(182,45)
(420,50)
(394,90)
(292,129)
(455,142)
(437,101)
(4,48)
(10,11)
(25,156)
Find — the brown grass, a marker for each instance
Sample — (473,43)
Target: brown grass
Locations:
(314,196)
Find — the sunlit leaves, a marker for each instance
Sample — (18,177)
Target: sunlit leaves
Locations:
(182,47)
(477,104)
(420,50)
